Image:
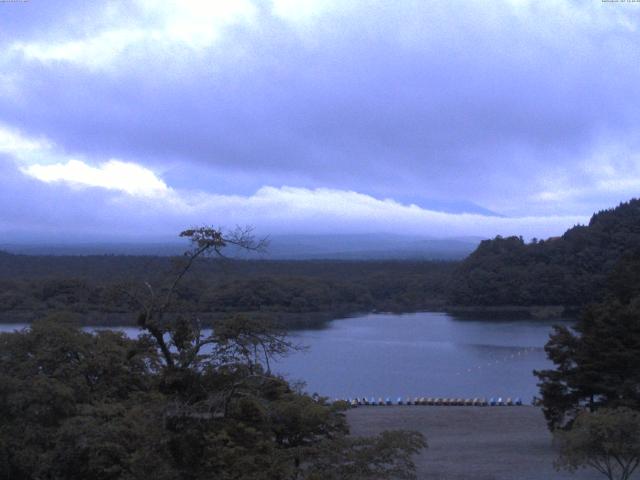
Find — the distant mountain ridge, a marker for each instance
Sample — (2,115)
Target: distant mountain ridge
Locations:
(369,247)
(569,270)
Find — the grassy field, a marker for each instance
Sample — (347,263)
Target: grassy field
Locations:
(475,443)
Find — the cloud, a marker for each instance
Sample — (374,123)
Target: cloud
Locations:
(19,146)
(95,52)
(131,199)
(610,171)
(118,203)
(113,175)
(322,210)
(136,201)
(524,108)
(185,23)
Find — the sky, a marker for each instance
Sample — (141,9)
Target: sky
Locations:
(136,119)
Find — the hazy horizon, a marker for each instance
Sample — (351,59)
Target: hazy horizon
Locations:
(279,247)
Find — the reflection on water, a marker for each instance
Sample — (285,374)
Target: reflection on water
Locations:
(419,354)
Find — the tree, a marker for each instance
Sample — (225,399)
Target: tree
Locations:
(77,405)
(155,303)
(569,271)
(174,403)
(596,362)
(386,456)
(607,440)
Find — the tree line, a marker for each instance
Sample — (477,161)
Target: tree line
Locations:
(297,293)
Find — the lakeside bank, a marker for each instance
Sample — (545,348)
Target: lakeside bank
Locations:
(476,443)
(300,320)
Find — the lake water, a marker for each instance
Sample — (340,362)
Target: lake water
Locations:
(419,354)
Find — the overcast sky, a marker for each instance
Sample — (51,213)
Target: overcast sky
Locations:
(137,118)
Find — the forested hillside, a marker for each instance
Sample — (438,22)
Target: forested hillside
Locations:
(570,270)
(297,293)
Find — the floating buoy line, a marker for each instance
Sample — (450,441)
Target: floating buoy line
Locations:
(500,361)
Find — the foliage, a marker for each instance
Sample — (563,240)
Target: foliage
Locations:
(66,393)
(570,270)
(596,363)
(293,293)
(607,440)
(98,405)
(173,403)
(386,456)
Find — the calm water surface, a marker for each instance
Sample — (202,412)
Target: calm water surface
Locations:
(419,354)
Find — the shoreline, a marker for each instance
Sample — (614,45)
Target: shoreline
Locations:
(308,320)
(535,312)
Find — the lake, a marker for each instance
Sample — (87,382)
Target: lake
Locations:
(419,354)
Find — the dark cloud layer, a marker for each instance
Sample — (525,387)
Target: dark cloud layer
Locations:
(512,107)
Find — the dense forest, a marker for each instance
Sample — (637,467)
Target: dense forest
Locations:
(297,293)
(570,270)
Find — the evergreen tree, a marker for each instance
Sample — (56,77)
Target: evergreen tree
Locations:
(598,362)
